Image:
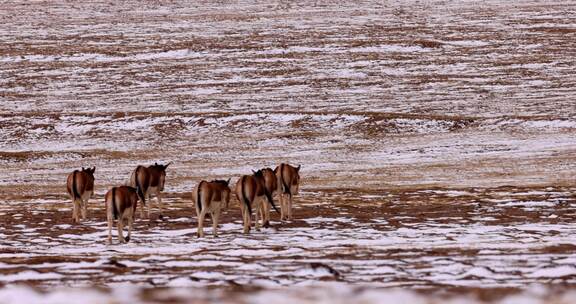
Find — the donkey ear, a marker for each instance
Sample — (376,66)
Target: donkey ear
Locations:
(298,168)
(168,164)
(93,169)
(228,181)
(253,172)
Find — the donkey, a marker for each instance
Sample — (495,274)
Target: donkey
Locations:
(271,184)
(80,186)
(211,197)
(288,183)
(121,205)
(149,180)
(251,193)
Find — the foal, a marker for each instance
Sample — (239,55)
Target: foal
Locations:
(121,204)
(149,180)
(251,192)
(288,184)
(211,197)
(80,186)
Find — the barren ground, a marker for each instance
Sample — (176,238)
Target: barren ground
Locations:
(437,141)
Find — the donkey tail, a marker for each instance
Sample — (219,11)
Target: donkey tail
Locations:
(75,194)
(244,198)
(270,200)
(114,207)
(286,186)
(138,187)
(199,197)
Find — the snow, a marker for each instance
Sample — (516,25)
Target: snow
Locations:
(467,43)
(353,100)
(337,293)
(528,204)
(29,275)
(173,54)
(316,273)
(554,272)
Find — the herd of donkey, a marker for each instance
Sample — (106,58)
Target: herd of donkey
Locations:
(252,191)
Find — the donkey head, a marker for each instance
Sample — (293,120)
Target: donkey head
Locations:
(161,171)
(258,173)
(296,179)
(90,171)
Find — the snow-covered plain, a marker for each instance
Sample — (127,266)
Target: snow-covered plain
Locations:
(437,141)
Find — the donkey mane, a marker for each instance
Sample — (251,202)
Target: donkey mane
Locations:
(259,173)
(161,167)
(89,170)
(221,182)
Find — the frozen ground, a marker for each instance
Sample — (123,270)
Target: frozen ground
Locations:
(437,141)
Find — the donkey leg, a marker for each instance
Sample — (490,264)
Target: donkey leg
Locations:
(78,209)
(246,220)
(201,223)
(120,226)
(288,207)
(148,205)
(290,199)
(215,218)
(159,197)
(74,211)
(282,207)
(83,208)
(266,216)
(130,224)
(142,210)
(260,211)
(256,222)
(110,221)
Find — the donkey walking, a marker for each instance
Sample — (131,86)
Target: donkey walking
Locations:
(121,205)
(251,193)
(211,197)
(80,187)
(271,185)
(149,180)
(288,183)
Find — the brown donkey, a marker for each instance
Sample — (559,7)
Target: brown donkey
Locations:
(80,186)
(211,197)
(271,184)
(288,184)
(251,193)
(149,180)
(121,205)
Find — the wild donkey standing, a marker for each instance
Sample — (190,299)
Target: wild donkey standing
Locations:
(271,185)
(121,205)
(80,186)
(149,180)
(288,184)
(211,197)
(251,193)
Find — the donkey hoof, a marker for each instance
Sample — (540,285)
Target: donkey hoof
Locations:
(127,239)
(266,225)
